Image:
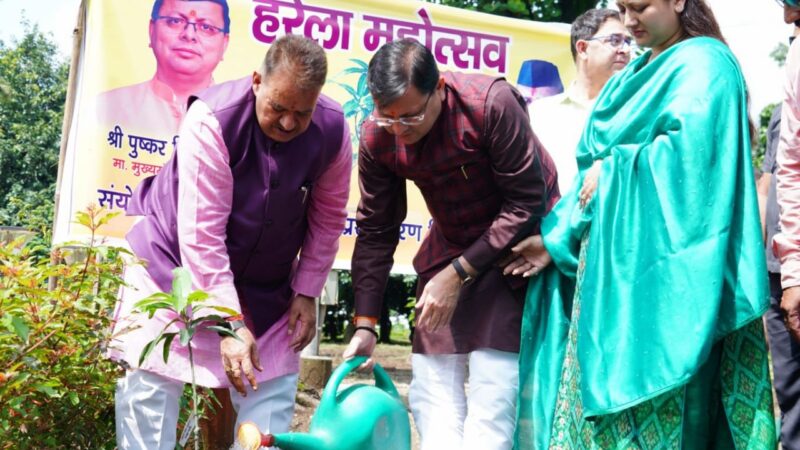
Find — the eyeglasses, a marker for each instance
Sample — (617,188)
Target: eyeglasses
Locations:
(179,24)
(409,121)
(616,40)
(789,3)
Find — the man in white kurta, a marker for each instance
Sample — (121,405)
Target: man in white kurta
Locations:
(600,47)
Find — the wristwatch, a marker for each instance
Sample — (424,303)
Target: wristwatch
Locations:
(465,277)
(232,325)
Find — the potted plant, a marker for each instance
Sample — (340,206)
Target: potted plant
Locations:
(185,306)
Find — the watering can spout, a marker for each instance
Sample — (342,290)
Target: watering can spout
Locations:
(249,438)
(358,417)
(295,441)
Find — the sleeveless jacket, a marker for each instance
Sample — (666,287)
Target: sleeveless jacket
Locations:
(267,223)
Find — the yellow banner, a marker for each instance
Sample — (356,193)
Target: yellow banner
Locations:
(125,123)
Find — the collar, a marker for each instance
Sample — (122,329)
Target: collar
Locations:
(570,96)
(164,92)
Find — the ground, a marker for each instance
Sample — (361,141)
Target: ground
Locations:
(395,359)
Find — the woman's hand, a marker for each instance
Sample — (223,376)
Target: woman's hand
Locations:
(527,258)
(589,183)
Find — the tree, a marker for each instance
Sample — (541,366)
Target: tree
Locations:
(542,10)
(779,53)
(33,85)
(400,289)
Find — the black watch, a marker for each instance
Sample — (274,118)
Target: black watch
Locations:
(233,325)
(465,277)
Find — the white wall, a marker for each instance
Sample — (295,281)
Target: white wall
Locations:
(753,29)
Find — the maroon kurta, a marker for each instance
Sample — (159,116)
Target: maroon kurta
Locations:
(486,181)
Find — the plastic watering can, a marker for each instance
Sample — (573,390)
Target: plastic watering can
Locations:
(360,417)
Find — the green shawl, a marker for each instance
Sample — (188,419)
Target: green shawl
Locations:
(675,258)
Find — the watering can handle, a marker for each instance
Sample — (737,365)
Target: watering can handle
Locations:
(382,380)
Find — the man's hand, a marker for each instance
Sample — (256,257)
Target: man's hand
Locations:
(303,310)
(527,258)
(762,188)
(239,357)
(790,307)
(589,183)
(361,344)
(438,299)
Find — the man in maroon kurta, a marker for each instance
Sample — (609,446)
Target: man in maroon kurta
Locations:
(466,142)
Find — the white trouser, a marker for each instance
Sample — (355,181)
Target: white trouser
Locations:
(147,408)
(446,418)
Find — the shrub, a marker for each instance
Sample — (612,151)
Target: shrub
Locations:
(56,386)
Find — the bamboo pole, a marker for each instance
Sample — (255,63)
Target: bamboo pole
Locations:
(66,123)
(69,106)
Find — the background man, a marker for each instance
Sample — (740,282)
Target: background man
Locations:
(600,47)
(466,142)
(262,172)
(784,276)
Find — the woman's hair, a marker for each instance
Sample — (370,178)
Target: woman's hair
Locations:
(697,19)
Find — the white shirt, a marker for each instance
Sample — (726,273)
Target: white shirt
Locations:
(558,122)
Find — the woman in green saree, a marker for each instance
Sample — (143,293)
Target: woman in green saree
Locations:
(645,332)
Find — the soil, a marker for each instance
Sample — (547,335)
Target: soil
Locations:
(395,359)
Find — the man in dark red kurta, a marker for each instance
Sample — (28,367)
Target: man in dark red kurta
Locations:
(466,142)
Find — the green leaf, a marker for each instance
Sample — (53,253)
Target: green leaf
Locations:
(207,318)
(106,218)
(186,336)
(146,350)
(167,344)
(20,328)
(151,306)
(157,297)
(225,331)
(181,286)
(48,389)
(197,297)
(224,310)
(73,398)
(82,218)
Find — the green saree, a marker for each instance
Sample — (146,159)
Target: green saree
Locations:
(675,278)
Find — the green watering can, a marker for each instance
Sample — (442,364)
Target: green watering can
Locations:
(360,417)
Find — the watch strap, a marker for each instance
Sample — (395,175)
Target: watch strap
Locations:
(462,273)
(232,325)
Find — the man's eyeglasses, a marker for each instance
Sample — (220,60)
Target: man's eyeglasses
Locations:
(616,40)
(406,121)
(789,3)
(179,24)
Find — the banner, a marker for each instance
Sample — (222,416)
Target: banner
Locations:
(131,85)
